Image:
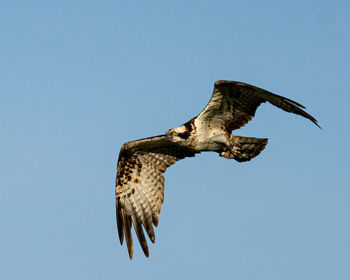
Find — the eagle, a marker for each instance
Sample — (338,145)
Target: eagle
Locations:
(141,163)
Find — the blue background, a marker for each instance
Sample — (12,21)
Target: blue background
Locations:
(80,78)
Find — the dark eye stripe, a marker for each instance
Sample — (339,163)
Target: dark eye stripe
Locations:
(184,135)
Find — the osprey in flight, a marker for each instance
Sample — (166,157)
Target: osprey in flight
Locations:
(141,163)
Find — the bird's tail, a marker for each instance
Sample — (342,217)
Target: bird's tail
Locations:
(244,148)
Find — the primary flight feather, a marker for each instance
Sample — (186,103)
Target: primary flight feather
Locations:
(141,163)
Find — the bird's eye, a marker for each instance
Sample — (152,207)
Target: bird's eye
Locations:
(174,133)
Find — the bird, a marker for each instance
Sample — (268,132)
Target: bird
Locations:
(141,163)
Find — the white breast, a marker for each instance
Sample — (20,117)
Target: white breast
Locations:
(209,138)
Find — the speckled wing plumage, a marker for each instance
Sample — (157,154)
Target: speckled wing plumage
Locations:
(140,185)
(233,104)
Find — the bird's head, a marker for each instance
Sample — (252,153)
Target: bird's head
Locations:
(177,135)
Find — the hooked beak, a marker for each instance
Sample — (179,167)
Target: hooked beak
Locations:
(168,137)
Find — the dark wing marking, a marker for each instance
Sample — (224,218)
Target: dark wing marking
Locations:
(233,104)
(140,186)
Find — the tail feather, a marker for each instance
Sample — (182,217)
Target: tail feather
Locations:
(244,148)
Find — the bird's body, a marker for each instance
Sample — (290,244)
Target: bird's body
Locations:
(140,183)
(200,137)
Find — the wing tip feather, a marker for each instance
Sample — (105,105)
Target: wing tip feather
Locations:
(127,231)
(140,236)
(120,225)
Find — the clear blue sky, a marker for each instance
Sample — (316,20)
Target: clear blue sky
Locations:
(79,78)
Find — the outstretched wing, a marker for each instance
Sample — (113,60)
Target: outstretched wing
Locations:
(233,104)
(140,185)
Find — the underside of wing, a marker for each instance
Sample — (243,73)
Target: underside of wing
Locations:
(233,104)
(140,186)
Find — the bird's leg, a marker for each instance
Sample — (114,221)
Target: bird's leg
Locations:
(230,146)
(243,148)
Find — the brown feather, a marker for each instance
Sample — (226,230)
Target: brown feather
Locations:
(233,104)
(140,236)
(120,224)
(141,163)
(140,186)
(127,231)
